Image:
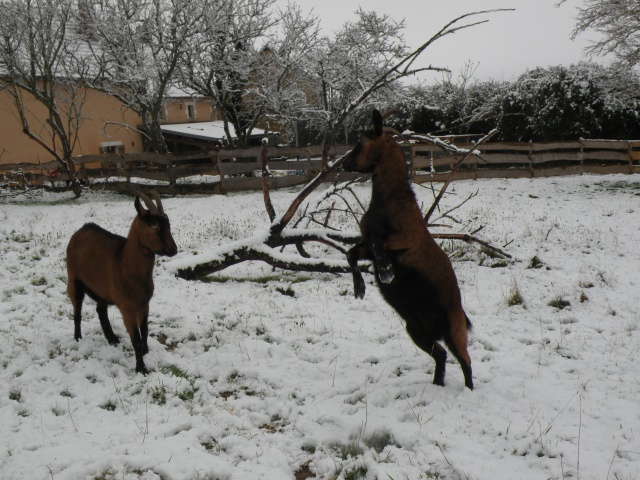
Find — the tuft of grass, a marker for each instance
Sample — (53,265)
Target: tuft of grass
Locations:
(109,405)
(379,440)
(351,449)
(39,282)
(55,351)
(158,395)
(66,393)
(308,448)
(559,303)
(57,411)
(15,395)
(105,474)
(288,291)
(188,394)
(175,371)
(515,297)
(499,264)
(583,297)
(536,263)
(355,473)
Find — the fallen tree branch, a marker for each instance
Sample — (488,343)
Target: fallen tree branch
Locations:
(465,237)
(263,253)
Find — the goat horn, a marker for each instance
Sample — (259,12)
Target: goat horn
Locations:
(156,197)
(147,201)
(391,130)
(392,111)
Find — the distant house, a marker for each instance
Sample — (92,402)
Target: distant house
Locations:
(103,127)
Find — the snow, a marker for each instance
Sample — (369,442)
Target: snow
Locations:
(200,130)
(260,372)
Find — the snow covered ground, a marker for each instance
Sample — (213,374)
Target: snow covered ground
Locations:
(274,375)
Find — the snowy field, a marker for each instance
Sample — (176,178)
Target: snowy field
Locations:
(274,375)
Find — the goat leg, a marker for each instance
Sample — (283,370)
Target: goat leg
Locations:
(354,254)
(383,264)
(430,346)
(132,323)
(76,294)
(111,337)
(138,348)
(144,333)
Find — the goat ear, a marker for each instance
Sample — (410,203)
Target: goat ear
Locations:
(139,208)
(377,123)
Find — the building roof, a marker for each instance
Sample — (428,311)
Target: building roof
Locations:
(211,131)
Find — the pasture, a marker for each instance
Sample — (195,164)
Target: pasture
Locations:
(276,375)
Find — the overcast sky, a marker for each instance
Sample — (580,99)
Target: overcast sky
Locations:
(535,34)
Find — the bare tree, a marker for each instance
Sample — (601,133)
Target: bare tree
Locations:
(618,21)
(133,47)
(34,40)
(248,58)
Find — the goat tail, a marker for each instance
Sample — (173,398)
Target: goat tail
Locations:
(469,324)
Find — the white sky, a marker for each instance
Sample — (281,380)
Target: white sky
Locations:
(535,34)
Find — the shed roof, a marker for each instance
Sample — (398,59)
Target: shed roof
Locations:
(212,131)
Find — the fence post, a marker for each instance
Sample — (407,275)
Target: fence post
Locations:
(530,157)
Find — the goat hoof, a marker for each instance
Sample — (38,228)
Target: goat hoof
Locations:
(145,349)
(142,369)
(386,276)
(77,338)
(359,291)
(113,340)
(439,382)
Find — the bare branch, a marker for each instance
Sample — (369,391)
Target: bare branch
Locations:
(454,170)
(281,223)
(470,239)
(265,182)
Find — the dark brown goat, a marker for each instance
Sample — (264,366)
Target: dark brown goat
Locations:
(413,273)
(114,270)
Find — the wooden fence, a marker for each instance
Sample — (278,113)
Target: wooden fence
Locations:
(223,171)
(528,160)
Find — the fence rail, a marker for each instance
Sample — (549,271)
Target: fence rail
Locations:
(223,171)
(528,160)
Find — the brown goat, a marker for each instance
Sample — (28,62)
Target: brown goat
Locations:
(114,270)
(413,273)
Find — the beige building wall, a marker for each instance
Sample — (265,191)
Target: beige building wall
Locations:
(188,109)
(98,110)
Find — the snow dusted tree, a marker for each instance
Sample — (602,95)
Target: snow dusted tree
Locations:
(347,70)
(34,42)
(455,105)
(618,21)
(567,103)
(248,58)
(134,47)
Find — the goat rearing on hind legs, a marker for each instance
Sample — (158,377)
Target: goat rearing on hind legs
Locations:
(413,273)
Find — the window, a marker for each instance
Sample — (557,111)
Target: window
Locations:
(191,110)
(112,147)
